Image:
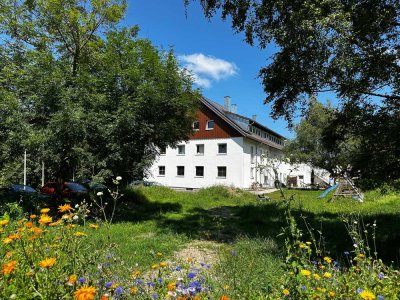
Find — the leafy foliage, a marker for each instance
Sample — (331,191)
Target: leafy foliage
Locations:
(87,98)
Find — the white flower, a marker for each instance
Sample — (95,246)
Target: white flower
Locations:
(355,245)
(355,222)
(75,217)
(99,193)
(13,296)
(119,178)
(77,205)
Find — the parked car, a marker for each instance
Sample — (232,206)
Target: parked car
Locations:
(69,190)
(15,191)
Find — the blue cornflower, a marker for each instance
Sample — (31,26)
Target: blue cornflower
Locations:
(359,290)
(303,287)
(81,280)
(154,296)
(119,290)
(160,280)
(191,275)
(149,283)
(346,253)
(380,297)
(109,285)
(381,275)
(139,281)
(178,268)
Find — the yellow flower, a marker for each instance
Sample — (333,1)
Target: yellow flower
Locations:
(171,286)
(7,240)
(305,272)
(1,230)
(367,295)
(316,277)
(197,297)
(301,246)
(189,259)
(163,264)
(308,243)
(331,294)
(286,292)
(65,208)
(8,254)
(48,262)
(360,255)
(159,254)
(322,290)
(85,293)
(94,226)
(133,290)
(72,279)
(226,287)
(45,219)
(327,259)
(4,222)
(322,267)
(79,234)
(135,274)
(69,226)
(155,266)
(44,210)
(327,275)
(9,267)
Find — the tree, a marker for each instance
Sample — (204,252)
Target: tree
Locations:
(91,99)
(350,48)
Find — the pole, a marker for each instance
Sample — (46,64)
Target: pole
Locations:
(42,173)
(25,168)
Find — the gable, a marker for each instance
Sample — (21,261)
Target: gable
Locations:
(221,128)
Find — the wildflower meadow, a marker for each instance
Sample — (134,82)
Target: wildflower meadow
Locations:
(69,252)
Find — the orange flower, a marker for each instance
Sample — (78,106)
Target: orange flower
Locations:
(94,226)
(134,290)
(29,224)
(197,297)
(65,208)
(85,293)
(171,286)
(45,219)
(33,217)
(163,264)
(286,292)
(8,254)
(44,210)
(224,297)
(104,297)
(72,279)
(36,230)
(9,267)
(48,262)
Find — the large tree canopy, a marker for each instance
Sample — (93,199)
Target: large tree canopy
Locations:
(349,47)
(82,95)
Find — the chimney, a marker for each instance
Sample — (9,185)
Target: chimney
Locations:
(234,108)
(254,117)
(227,103)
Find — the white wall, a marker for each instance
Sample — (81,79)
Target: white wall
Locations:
(233,161)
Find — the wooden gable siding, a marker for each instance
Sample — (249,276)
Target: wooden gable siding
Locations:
(221,128)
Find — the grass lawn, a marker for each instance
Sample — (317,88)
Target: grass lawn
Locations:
(226,237)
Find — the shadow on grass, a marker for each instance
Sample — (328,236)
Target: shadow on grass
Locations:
(227,223)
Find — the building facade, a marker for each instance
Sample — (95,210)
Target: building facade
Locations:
(225,149)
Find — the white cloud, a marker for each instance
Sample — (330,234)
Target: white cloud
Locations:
(206,69)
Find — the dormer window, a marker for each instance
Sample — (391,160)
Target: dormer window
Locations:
(210,125)
(196,125)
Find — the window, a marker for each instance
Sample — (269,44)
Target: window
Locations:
(200,149)
(161,170)
(199,171)
(180,170)
(163,151)
(252,154)
(251,173)
(196,125)
(222,148)
(221,172)
(181,150)
(210,125)
(301,177)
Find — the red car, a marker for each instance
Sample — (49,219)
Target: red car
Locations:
(69,189)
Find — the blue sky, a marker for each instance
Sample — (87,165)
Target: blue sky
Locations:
(224,65)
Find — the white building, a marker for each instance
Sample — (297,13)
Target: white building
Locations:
(225,149)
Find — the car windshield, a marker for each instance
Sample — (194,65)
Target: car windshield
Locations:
(22,188)
(75,187)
